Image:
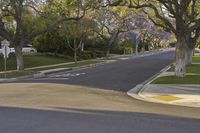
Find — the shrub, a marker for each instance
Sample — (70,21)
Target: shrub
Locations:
(85,55)
(128,50)
(99,53)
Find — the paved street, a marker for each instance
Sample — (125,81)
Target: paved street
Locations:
(96,66)
(134,116)
(87,121)
(120,75)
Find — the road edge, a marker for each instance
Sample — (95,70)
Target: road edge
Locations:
(136,91)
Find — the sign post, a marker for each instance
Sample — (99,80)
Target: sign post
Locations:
(6,52)
(135,38)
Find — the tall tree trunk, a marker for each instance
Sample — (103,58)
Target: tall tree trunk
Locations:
(193,53)
(190,51)
(143,48)
(188,56)
(82,46)
(180,57)
(124,51)
(111,40)
(108,49)
(19,58)
(75,51)
(75,56)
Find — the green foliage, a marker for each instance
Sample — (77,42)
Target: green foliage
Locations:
(127,47)
(78,30)
(52,42)
(198,45)
(60,8)
(57,41)
(96,44)
(86,55)
(99,53)
(128,50)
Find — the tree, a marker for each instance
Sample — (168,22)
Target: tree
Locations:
(76,33)
(13,19)
(114,21)
(182,17)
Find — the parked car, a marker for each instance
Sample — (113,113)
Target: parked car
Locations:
(26,49)
(29,48)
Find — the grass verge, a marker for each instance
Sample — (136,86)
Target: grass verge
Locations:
(194,68)
(189,79)
(17,74)
(196,59)
(192,75)
(33,60)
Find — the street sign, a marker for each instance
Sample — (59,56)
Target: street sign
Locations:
(6,51)
(5,43)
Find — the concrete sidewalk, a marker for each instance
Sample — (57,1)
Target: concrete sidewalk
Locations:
(184,95)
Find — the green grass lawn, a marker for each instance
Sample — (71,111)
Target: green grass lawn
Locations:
(36,60)
(196,59)
(35,71)
(189,79)
(17,74)
(32,61)
(192,76)
(194,68)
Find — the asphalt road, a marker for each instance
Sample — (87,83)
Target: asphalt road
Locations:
(121,75)
(87,121)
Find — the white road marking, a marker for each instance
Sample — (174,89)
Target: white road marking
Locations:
(52,79)
(66,75)
(110,61)
(123,58)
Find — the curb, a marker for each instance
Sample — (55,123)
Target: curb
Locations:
(148,81)
(151,100)
(51,71)
(15,79)
(136,92)
(138,89)
(38,75)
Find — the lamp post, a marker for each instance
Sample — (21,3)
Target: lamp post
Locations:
(5,51)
